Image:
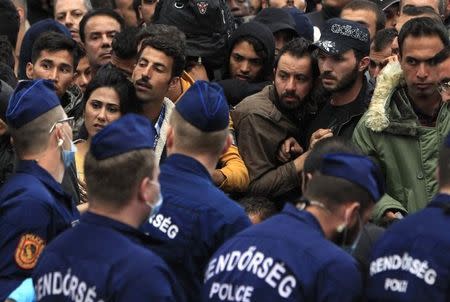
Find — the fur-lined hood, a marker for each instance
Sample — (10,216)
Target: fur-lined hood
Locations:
(388,80)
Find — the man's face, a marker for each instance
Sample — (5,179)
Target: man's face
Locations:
(126,10)
(444,79)
(239,8)
(391,15)
(364,17)
(69,13)
(152,75)
(83,74)
(300,4)
(293,80)
(338,72)
(421,75)
(281,37)
(245,64)
(56,66)
(99,33)
(378,60)
(147,9)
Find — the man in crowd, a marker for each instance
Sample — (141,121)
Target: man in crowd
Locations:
(122,181)
(83,72)
(295,255)
(196,217)
(69,13)
(124,50)
(263,120)
(97,30)
(405,123)
(160,62)
(147,9)
(249,62)
(381,52)
(366,13)
(34,208)
(343,59)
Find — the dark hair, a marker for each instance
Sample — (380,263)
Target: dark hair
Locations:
(6,52)
(110,76)
(414,11)
(443,55)
(441,7)
(420,27)
(7,75)
(371,7)
(168,39)
(53,41)
(10,21)
(260,51)
(124,44)
(99,4)
(258,205)
(299,47)
(99,12)
(384,38)
(444,167)
(325,146)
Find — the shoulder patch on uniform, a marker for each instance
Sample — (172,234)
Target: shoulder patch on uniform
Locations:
(28,250)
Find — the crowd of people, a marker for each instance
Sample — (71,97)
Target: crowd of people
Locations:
(212,150)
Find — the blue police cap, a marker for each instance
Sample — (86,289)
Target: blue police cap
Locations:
(204,106)
(30,100)
(357,169)
(128,133)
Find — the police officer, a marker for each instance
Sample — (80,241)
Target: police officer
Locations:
(33,206)
(411,261)
(196,217)
(106,257)
(291,256)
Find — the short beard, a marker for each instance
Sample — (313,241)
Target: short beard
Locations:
(347,81)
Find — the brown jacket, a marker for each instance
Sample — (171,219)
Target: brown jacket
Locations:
(260,129)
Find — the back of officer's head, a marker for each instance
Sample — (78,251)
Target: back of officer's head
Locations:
(119,158)
(343,178)
(33,109)
(325,146)
(444,165)
(199,123)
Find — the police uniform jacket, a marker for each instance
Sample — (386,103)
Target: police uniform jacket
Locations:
(33,210)
(285,258)
(195,219)
(411,261)
(102,260)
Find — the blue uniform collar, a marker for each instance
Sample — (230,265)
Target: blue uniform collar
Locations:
(304,216)
(31,167)
(127,230)
(187,164)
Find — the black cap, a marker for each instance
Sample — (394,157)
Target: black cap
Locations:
(339,36)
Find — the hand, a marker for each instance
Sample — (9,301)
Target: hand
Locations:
(198,72)
(289,150)
(319,135)
(218,177)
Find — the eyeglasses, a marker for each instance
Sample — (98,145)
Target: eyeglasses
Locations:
(444,86)
(69,120)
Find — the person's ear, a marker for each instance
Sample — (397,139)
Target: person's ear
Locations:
(29,70)
(174,82)
(351,213)
(364,64)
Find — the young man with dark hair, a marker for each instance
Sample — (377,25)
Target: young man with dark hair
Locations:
(343,59)
(381,51)
(366,13)
(249,62)
(295,255)
(122,181)
(97,30)
(161,61)
(196,217)
(83,72)
(34,207)
(410,262)
(406,122)
(263,120)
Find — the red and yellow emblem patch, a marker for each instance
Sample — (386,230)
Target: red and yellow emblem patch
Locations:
(28,250)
